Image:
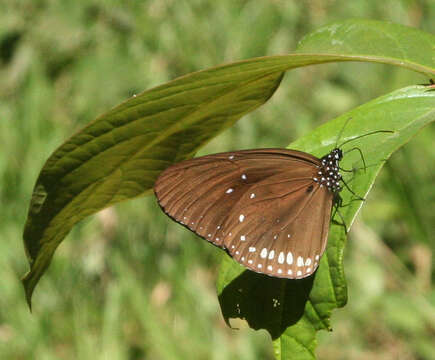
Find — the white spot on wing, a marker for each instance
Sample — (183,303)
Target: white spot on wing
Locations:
(250,261)
(300,261)
(281,258)
(317,257)
(289,258)
(244,176)
(231,157)
(252,196)
(252,249)
(271,254)
(279,271)
(269,267)
(263,253)
(308,261)
(242,238)
(241,217)
(308,270)
(299,273)
(259,266)
(229,191)
(288,235)
(289,271)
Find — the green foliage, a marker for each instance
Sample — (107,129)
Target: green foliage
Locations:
(139,138)
(306,306)
(128,284)
(119,155)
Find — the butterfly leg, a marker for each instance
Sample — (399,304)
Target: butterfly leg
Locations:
(336,211)
(352,192)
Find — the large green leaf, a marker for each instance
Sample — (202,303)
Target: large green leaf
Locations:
(293,310)
(120,154)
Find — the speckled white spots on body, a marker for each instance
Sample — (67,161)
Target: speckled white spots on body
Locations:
(289,272)
(241,217)
(317,257)
(242,238)
(299,273)
(288,235)
(275,237)
(269,267)
(252,196)
(229,191)
(244,177)
(308,270)
(251,249)
(250,261)
(308,262)
(259,266)
(279,271)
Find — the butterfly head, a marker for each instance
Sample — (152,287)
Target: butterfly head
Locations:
(328,174)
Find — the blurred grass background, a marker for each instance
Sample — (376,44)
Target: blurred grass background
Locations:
(130,284)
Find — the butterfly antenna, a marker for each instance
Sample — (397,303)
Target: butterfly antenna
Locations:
(341,131)
(363,135)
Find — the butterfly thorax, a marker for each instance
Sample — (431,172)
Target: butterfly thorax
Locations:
(328,174)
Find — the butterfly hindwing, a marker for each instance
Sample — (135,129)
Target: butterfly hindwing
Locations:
(281,231)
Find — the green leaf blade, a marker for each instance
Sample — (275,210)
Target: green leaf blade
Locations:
(119,155)
(405,112)
(376,41)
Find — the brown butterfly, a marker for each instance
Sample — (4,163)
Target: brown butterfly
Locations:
(269,208)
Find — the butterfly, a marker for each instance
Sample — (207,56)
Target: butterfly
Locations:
(268,208)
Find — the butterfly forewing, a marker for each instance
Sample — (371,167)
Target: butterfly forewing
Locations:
(261,205)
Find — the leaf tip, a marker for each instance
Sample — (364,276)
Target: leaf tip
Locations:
(28,288)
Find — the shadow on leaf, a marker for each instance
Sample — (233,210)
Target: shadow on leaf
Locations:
(264,302)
